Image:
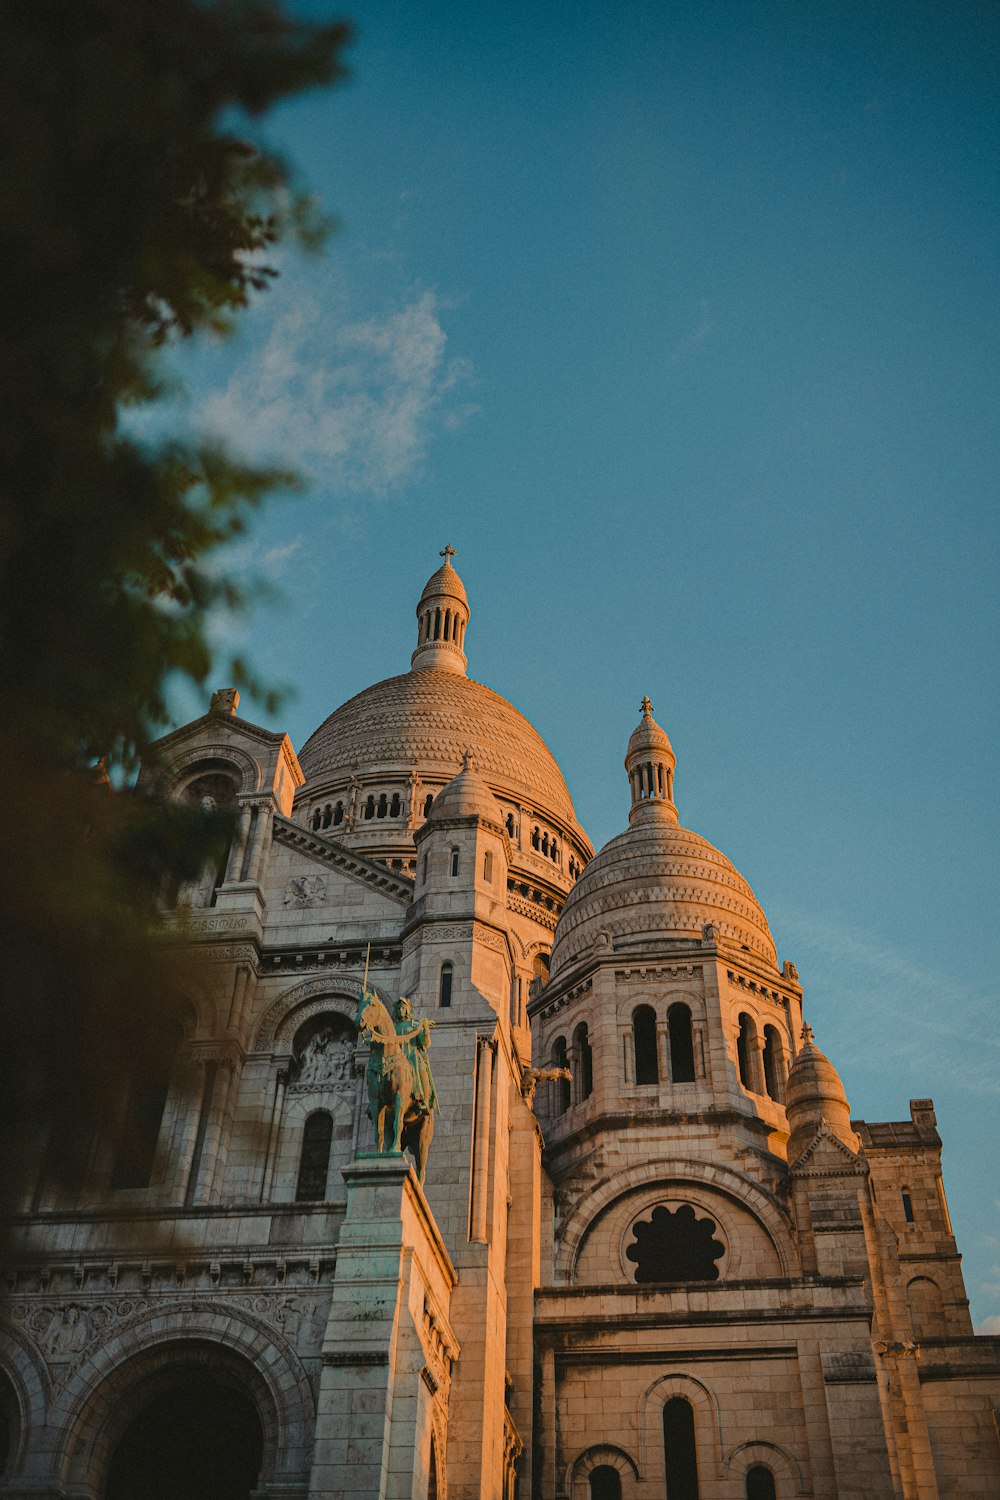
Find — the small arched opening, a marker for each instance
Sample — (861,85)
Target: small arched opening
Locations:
(760,1483)
(746,1046)
(774,1072)
(647,1067)
(679,1454)
(583,1060)
(560,1059)
(681,1039)
(314,1161)
(605,1483)
(444,986)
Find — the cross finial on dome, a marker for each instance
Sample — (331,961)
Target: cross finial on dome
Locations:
(647,707)
(806,1035)
(447,553)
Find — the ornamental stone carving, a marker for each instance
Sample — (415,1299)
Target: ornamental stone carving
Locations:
(327,1061)
(305,890)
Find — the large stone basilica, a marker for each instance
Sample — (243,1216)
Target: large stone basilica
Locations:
(653,1254)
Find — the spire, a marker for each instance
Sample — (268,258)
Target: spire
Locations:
(442,615)
(650,763)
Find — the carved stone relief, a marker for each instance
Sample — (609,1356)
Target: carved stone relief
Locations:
(305,890)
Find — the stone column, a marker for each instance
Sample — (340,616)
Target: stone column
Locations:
(388,1349)
(234,869)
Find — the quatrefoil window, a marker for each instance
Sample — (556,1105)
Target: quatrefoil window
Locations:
(675,1245)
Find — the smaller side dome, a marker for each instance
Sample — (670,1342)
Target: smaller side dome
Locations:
(442,616)
(466,796)
(814,1096)
(650,762)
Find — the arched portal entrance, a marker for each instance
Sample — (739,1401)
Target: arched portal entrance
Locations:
(193,1433)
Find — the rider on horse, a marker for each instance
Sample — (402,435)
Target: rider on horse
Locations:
(414,1042)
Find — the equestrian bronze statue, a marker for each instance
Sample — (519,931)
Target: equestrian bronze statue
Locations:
(399,1079)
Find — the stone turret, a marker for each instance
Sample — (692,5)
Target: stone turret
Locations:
(814,1096)
(442,617)
(650,763)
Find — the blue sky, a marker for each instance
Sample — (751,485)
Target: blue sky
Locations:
(680,322)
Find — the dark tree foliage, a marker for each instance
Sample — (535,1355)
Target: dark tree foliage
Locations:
(134,212)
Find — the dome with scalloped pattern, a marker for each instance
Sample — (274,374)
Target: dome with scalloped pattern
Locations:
(426,720)
(659,881)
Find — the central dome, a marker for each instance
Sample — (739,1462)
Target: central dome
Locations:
(428,719)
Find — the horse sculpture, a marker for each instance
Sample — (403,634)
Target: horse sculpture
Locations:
(398,1078)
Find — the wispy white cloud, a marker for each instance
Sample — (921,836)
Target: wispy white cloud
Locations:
(921,1013)
(352,402)
(274,562)
(705,328)
(990,1325)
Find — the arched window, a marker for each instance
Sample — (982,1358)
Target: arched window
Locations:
(444,989)
(428,804)
(583,1060)
(679,1450)
(560,1059)
(908,1213)
(681,1043)
(746,1044)
(316,820)
(605,1483)
(395,805)
(145,1103)
(760,1483)
(647,1067)
(488,866)
(383,805)
(555,851)
(510,825)
(536,838)
(454,861)
(545,843)
(773,1070)
(314,1163)
(370,808)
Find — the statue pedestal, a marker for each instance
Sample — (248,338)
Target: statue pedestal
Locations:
(382,1412)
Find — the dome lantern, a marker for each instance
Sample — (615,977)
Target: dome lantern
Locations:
(442,616)
(650,762)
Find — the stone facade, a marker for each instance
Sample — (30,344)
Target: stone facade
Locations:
(653,1254)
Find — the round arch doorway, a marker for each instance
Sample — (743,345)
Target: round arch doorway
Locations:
(193,1434)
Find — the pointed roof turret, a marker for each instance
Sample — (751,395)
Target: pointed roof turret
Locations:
(442,616)
(650,762)
(466,796)
(814,1096)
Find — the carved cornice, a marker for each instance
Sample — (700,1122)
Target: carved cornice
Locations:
(527,908)
(562,1001)
(367,872)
